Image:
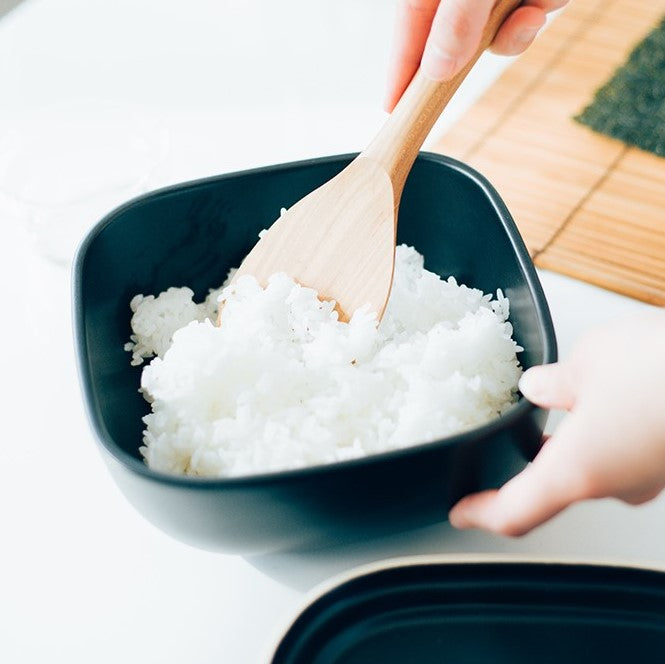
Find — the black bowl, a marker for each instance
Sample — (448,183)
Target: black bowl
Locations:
(190,235)
(432,610)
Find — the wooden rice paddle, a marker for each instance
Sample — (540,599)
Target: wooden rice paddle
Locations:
(340,238)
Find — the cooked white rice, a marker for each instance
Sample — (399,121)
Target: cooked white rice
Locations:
(282,384)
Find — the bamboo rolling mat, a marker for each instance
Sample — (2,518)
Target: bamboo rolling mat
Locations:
(587,205)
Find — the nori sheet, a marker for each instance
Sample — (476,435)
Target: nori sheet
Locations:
(631,105)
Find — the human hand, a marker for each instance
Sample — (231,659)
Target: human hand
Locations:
(612,442)
(446,33)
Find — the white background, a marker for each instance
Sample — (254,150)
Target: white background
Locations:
(238,83)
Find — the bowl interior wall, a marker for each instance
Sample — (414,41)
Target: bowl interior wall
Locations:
(191,235)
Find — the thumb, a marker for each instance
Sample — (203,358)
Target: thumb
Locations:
(550,386)
(543,489)
(454,37)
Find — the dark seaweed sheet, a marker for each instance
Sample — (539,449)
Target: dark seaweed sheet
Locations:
(631,105)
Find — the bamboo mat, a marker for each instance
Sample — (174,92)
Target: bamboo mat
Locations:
(587,205)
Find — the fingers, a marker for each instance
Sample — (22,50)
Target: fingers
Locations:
(550,385)
(612,444)
(454,37)
(543,489)
(412,26)
(445,34)
(522,26)
(518,31)
(514,510)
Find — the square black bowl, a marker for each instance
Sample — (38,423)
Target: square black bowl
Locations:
(190,235)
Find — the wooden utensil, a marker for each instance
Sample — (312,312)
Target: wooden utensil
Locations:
(340,238)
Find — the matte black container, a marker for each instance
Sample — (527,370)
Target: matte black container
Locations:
(190,235)
(430,612)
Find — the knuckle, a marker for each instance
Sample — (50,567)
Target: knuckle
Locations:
(586,484)
(578,483)
(635,500)
(641,497)
(455,26)
(508,526)
(461,25)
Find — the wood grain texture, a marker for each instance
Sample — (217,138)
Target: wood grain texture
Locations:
(587,205)
(396,146)
(340,239)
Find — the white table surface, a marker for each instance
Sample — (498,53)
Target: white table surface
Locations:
(238,83)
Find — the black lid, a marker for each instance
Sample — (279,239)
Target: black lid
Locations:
(463,613)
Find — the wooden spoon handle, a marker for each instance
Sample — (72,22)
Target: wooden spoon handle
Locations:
(397,144)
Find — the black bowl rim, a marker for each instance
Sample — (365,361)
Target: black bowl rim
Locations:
(514,413)
(591,571)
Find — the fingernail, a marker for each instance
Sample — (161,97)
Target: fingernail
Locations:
(437,64)
(533,383)
(527,35)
